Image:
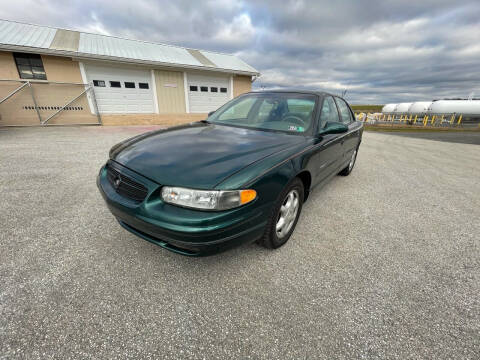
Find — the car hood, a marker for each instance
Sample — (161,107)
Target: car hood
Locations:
(199,155)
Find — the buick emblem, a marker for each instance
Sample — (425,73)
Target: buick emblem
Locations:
(117,181)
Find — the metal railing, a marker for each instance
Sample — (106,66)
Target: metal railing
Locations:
(25,102)
(421,120)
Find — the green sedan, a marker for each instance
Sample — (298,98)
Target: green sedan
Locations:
(240,176)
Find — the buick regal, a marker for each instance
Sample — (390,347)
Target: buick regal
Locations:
(241,175)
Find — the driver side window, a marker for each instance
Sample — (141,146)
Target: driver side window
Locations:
(329,112)
(264,111)
(344,111)
(238,111)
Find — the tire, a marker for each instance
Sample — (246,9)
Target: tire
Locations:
(351,164)
(273,239)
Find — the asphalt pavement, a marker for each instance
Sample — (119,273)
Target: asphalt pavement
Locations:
(384,263)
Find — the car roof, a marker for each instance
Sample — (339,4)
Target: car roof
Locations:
(298,91)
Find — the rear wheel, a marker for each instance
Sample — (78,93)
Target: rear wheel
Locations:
(284,216)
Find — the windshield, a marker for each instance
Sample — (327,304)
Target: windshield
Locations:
(286,112)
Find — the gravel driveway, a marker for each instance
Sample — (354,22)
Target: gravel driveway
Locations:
(384,263)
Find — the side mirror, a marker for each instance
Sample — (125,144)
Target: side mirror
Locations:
(333,128)
(211,113)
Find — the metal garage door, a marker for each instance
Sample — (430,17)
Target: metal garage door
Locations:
(121,89)
(207,93)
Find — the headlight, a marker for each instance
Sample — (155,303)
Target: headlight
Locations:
(207,199)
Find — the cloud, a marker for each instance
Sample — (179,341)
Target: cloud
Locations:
(382,51)
(239,32)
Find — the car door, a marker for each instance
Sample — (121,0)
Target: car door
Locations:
(350,139)
(327,154)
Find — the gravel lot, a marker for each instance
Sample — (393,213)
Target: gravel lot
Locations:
(384,263)
(456,137)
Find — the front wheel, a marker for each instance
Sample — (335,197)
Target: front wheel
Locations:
(284,216)
(351,164)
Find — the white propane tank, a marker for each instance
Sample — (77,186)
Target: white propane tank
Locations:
(465,107)
(389,108)
(402,108)
(419,107)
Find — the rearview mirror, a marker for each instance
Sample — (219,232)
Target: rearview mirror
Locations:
(333,128)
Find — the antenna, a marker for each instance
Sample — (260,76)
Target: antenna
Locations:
(261,86)
(344,92)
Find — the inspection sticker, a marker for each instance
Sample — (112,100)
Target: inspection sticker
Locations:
(295,128)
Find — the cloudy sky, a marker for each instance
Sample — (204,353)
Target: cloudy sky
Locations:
(381,51)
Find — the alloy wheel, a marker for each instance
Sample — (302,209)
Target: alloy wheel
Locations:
(287,214)
(352,161)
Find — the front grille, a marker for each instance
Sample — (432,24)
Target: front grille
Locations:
(125,186)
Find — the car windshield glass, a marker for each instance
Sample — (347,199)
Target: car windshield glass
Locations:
(286,112)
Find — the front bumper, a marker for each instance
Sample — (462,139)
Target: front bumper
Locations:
(184,231)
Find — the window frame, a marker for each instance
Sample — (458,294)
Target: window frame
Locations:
(348,108)
(115,81)
(129,87)
(195,88)
(320,108)
(30,65)
(141,85)
(203,87)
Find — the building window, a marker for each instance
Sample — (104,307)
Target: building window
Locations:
(223,90)
(193,88)
(129,85)
(213,89)
(143,85)
(204,88)
(30,66)
(99,83)
(115,84)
